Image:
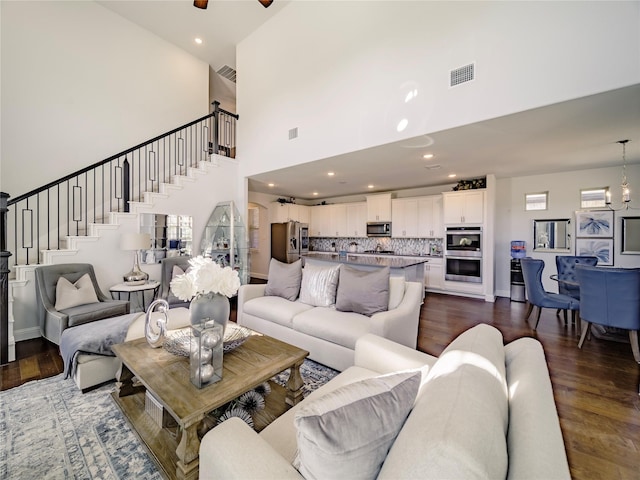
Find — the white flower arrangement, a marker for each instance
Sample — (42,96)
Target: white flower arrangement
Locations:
(205,276)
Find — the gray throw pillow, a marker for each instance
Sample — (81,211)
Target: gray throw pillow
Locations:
(284,279)
(348,432)
(362,291)
(319,284)
(73,294)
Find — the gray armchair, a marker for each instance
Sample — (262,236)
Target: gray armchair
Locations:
(166,274)
(52,321)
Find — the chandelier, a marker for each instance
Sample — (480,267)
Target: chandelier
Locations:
(626,192)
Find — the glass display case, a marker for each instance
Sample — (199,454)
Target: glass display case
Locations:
(225,240)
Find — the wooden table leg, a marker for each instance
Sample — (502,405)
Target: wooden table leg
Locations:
(294,385)
(124,385)
(188,448)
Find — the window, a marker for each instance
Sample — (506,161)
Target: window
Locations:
(536,201)
(254,227)
(593,197)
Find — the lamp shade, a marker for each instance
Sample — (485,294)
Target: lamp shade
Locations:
(135,241)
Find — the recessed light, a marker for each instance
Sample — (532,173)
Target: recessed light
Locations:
(428,156)
(272,185)
(331,174)
(315,193)
(452,175)
(402,124)
(198,40)
(369,186)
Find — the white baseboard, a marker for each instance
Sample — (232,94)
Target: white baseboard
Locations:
(26,334)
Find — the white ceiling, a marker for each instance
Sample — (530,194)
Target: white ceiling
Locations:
(573,135)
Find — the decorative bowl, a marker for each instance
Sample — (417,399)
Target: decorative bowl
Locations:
(177,342)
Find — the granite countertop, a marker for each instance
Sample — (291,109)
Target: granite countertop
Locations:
(370,260)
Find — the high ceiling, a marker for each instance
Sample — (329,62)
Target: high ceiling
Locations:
(573,135)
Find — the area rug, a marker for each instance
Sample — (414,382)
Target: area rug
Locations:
(50,430)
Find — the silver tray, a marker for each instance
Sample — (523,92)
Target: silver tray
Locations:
(177,342)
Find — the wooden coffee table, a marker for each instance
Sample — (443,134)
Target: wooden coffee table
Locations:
(176,446)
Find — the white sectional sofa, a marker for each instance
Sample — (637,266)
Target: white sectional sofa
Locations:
(328,334)
(482,410)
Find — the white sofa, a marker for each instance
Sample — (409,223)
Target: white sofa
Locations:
(327,334)
(483,410)
(94,370)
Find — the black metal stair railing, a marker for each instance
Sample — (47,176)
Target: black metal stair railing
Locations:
(43,218)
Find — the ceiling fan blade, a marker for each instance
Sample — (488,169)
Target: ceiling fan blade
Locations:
(266,3)
(200,4)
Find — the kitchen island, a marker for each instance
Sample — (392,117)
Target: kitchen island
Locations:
(410,268)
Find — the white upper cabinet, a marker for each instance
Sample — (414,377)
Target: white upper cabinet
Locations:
(379,208)
(356,219)
(319,225)
(430,217)
(463,207)
(286,212)
(338,220)
(404,222)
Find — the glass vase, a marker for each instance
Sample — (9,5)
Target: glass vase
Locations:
(210,306)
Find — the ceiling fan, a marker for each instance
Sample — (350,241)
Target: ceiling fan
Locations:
(203,3)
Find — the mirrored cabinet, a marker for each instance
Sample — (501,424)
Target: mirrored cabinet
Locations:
(225,239)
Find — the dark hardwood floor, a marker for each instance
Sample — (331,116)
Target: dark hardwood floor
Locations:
(595,388)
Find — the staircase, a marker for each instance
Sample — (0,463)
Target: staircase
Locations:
(81,217)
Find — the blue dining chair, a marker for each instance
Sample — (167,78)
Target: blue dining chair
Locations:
(610,297)
(567,278)
(536,294)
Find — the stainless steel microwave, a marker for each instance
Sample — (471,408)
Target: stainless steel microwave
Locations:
(378,229)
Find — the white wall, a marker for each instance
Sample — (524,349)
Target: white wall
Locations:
(80,83)
(340,71)
(514,223)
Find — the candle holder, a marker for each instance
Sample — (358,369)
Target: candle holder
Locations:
(206,348)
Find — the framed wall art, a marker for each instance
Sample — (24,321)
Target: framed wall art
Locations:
(596,247)
(594,224)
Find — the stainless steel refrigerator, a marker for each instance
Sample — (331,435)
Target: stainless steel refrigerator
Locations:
(289,240)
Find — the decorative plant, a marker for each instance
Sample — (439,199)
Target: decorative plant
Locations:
(205,276)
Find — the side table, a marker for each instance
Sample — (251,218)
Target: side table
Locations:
(119,289)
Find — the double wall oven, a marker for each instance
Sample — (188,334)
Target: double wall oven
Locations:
(463,254)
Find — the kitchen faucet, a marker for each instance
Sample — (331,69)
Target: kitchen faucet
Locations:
(378,247)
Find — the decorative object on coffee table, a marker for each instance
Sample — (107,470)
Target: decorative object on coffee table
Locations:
(154,339)
(205,360)
(178,342)
(208,286)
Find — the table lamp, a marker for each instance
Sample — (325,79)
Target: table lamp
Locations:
(136,242)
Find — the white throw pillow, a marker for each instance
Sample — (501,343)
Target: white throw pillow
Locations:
(71,295)
(396,291)
(319,284)
(348,432)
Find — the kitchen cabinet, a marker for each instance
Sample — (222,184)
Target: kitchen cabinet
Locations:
(404,218)
(433,276)
(430,217)
(285,212)
(338,220)
(356,219)
(320,221)
(379,208)
(463,207)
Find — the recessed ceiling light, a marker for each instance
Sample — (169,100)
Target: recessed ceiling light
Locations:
(272,184)
(452,175)
(428,155)
(315,193)
(331,174)
(369,186)
(198,40)
(402,124)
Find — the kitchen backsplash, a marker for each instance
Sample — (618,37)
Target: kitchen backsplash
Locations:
(400,246)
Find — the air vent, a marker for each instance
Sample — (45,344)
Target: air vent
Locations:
(228,73)
(462,75)
(432,167)
(293,133)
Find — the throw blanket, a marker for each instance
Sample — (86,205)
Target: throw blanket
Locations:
(94,337)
